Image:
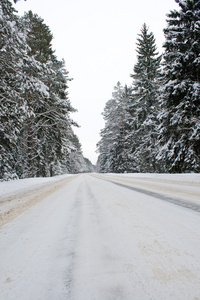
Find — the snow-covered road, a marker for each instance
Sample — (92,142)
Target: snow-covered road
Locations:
(87,238)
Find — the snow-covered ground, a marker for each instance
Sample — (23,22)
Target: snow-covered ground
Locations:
(178,188)
(83,237)
(18,195)
(8,188)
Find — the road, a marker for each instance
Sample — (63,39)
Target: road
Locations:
(102,237)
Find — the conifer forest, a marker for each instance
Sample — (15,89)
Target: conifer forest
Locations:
(154,125)
(36,128)
(151,126)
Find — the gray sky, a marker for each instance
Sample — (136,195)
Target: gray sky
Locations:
(97,39)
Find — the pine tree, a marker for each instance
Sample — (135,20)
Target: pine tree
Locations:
(179,141)
(143,103)
(112,146)
(34,92)
(12,52)
(47,124)
(36,136)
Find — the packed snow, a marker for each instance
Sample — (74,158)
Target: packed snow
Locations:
(100,236)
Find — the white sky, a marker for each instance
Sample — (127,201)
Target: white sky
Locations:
(97,39)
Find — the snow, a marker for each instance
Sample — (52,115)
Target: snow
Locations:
(89,238)
(183,187)
(18,195)
(8,188)
(183,177)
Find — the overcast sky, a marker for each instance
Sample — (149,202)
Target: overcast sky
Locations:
(97,39)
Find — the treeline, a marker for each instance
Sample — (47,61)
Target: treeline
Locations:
(154,125)
(36,135)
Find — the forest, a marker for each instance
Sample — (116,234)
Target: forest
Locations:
(151,126)
(154,124)
(36,128)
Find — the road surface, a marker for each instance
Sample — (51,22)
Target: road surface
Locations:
(101,237)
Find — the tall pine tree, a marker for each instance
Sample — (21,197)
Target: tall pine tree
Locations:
(179,141)
(143,103)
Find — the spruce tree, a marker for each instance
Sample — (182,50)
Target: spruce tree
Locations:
(143,103)
(112,146)
(12,53)
(179,141)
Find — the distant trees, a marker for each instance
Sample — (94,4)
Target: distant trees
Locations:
(36,135)
(112,146)
(162,123)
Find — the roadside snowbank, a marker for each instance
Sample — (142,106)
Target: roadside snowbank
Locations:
(8,188)
(18,195)
(181,178)
(184,187)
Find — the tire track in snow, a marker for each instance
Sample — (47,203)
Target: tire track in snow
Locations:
(101,268)
(72,236)
(77,238)
(79,220)
(95,240)
(180,202)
